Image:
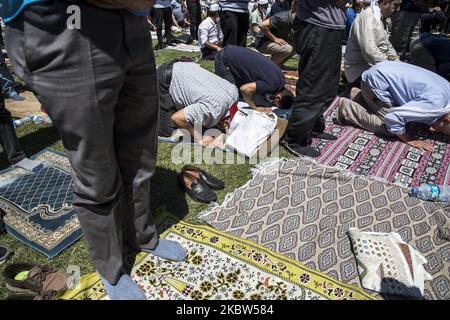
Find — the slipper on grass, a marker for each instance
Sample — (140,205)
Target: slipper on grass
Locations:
(4,253)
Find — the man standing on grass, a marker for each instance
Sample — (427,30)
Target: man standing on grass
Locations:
(98,85)
(195,17)
(318,32)
(234,20)
(210,36)
(163,15)
(277,37)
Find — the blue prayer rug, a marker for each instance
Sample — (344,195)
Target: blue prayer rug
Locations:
(38,205)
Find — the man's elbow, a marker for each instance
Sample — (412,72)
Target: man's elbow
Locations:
(246,91)
(178,119)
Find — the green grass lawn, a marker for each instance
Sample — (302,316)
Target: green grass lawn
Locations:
(165,195)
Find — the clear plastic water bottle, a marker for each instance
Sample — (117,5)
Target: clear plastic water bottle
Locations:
(41,120)
(431,192)
(37,119)
(22,121)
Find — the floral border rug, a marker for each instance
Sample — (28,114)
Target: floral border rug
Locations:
(223,267)
(303,210)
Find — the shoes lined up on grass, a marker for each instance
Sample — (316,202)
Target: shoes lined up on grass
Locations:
(199,184)
(5,252)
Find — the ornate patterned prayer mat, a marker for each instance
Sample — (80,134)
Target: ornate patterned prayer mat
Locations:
(304,210)
(223,267)
(38,205)
(366,154)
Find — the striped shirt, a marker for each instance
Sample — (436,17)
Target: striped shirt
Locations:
(205,97)
(234,5)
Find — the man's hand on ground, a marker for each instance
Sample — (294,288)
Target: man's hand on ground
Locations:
(207,140)
(422,145)
(416,143)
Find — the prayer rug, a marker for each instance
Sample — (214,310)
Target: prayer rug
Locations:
(38,205)
(304,210)
(28,107)
(222,267)
(391,160)
(185,47)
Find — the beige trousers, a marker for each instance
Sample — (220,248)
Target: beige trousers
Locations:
(364,110)
(280,54)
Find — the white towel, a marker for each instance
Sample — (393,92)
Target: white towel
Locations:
(251,133)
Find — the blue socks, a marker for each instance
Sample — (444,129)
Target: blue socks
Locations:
(125,289)
(169,250)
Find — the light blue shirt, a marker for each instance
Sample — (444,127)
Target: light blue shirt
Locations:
(416,94)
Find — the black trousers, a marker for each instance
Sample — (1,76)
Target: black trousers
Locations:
(221,68)
(320,50)
(8,136)
(234,27)
(7,82)
(166,104)
(195,17)
(163,15)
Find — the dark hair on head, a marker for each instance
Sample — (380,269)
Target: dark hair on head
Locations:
(286,99)
(212,13)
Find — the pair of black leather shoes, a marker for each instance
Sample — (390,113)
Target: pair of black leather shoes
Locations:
(199,184)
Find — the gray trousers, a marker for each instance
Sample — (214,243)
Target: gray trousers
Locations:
(98,85)
(364,110)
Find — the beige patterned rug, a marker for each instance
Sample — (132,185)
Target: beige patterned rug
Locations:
(304,210)
(222,267)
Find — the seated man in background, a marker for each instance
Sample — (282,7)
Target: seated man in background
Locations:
(368,42)
(256,76)
(210,34)
(432,51)
(394,94)
(178,18)
(258,16)
(404,23)
(192,98)
(277,39)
